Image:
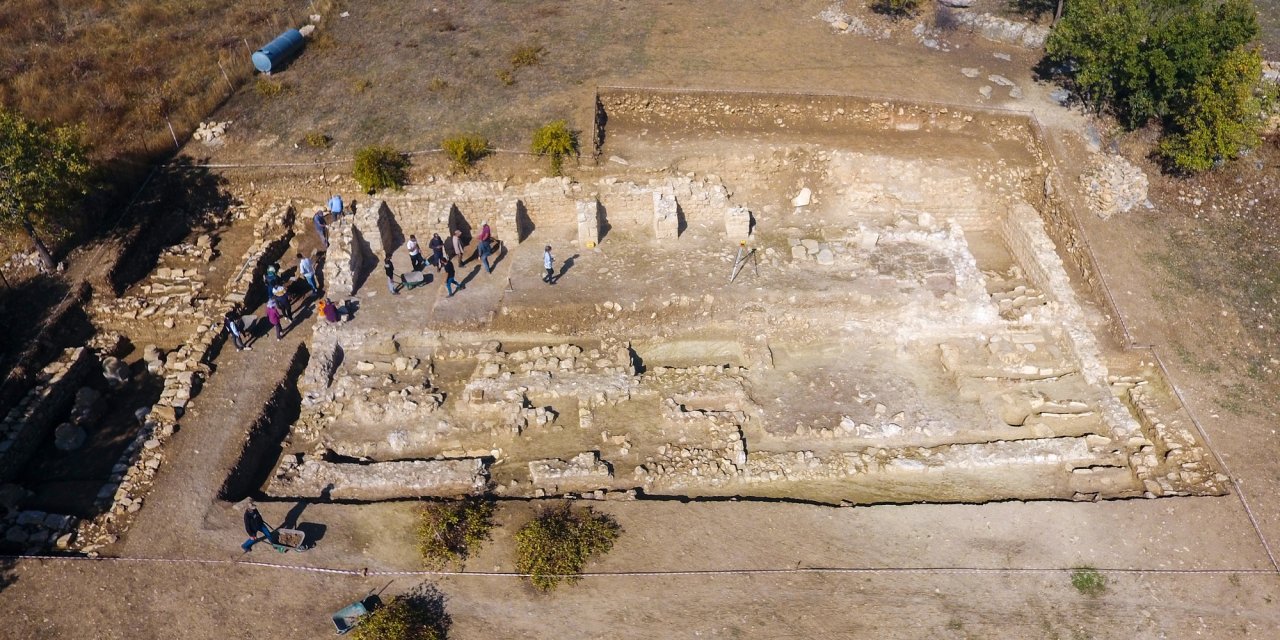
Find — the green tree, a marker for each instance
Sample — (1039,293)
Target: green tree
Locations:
(448,532)
(1166,61)
(556,140)
(44,171)
(555,545)
(1224,117)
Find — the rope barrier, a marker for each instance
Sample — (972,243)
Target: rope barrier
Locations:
(927,570)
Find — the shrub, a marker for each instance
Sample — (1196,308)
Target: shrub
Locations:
(268,88)
(1088,581)
(895,8)
(526,56)
(505,77)
(317,140)
(464,150)
(361,85)
(556,544)
(380,167)
(416,615)
(438,84)
(556,140)
(449,531)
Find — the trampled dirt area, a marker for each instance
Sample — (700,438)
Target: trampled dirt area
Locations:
(880,319)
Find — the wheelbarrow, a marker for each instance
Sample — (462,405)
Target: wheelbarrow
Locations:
(414,279)
(287,540)
(346,618)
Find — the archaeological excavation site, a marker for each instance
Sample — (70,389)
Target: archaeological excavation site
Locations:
(810,298)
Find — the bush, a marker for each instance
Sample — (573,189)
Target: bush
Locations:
(317,140)
(1148,60)
(1088,581)
(380,167)
(556,140)
(526,56)
(505,77)
(438,84)
(269,88)
(361,85)
(448,532)
(417,615)
(895,8)
(465,149)
(555,545)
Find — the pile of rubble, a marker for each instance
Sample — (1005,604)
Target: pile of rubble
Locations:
(209,132)
(1114,185)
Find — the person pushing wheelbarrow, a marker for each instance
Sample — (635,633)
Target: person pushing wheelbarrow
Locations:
(255,526)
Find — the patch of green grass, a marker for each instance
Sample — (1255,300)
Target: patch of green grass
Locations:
(317,140)
(269,88)
(1088,581)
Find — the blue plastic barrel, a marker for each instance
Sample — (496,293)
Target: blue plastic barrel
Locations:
(277,51)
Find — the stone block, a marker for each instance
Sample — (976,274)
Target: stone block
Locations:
(737,223)
(588,223)
(666,216)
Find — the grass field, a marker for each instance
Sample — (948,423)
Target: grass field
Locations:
(121,67)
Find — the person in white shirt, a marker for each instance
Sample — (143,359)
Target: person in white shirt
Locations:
(415,253)
(548,263)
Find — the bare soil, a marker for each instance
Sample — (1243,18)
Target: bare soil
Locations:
(1191,281)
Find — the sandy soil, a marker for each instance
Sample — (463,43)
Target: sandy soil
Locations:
(739,45)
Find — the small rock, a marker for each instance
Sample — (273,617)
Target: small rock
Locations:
(969,72)
(985,91)
(803,198)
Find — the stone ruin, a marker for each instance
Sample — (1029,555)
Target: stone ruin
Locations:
(937,352)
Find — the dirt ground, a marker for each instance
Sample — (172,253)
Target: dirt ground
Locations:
(1194,282)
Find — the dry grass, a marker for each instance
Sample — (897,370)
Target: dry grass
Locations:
(121,67)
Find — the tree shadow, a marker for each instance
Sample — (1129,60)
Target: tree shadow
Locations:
(7,576)
(182,198)
(39,318)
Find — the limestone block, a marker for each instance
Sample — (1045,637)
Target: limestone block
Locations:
(380,480)
(666,216)
(583,472)
(507,226)
(588,223)
(737,223)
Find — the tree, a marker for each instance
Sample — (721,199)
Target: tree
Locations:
(1181,63)
(1224,118)
(555,139)
(44,171)
(554,546)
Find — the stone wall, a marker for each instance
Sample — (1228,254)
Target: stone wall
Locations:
(29,423)
(313,478)
(184,370)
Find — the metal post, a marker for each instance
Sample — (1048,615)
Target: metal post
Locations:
(176,145)
(230,86)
